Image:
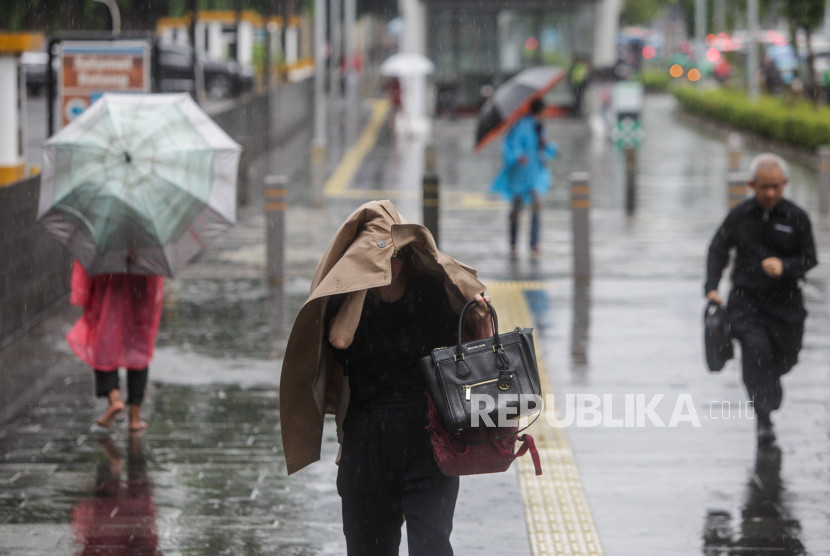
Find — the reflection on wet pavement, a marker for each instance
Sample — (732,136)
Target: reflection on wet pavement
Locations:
(119,515)
(207,315)
(763,524)
(207,478)
(580,323)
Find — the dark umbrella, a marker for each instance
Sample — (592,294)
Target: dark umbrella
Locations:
(512,99)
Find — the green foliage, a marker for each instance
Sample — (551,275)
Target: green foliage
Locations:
(796,123)
(656,80)
(640,12)
(804,14)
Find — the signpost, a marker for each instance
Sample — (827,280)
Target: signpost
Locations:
(628,133)
(91,68)
(628,103)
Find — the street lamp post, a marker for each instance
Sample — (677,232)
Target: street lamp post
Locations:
(336,48)
(350,56)
(318,145)
(700,31)
(115,14)
(752,59)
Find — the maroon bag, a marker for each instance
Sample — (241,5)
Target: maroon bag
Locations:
(477,451)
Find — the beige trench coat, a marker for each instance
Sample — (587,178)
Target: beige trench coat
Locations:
(357,258)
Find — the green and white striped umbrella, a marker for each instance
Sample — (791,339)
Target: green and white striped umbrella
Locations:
(139,184)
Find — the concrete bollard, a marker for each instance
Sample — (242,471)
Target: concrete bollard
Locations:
(274,195)
(737,187)
(630,180)
(318,170)
(824,179)
(735,146)
(430,184)
(244,163)
(580,323)
(581,225)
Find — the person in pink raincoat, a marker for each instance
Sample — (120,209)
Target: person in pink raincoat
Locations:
(117,329)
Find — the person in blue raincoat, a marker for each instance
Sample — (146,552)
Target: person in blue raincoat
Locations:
(525,177)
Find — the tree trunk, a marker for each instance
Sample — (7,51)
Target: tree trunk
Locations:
(812,84)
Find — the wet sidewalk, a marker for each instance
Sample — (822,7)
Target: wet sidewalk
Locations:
(208,476)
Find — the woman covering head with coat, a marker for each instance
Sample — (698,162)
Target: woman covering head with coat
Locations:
(382,297)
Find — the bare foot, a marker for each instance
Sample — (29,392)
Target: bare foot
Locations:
(138,426)
(107,420)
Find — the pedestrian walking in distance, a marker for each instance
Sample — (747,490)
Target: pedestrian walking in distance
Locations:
(524,176)
(117,329)
(383,296)
(774,249)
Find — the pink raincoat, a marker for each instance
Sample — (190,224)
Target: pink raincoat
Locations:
(120,321)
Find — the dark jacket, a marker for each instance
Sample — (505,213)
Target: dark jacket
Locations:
(784,232)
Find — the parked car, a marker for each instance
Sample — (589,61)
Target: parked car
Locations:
(222,79)
(34,70)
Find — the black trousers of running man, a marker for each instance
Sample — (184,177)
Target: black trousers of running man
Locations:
(770,329)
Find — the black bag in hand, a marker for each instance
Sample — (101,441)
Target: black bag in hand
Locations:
(716,336)
(501,368)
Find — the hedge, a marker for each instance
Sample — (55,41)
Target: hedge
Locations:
(655,80)
(796,123)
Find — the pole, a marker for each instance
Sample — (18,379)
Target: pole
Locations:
(242,177)
(13,104)
(700,30)
(719,16)
(336,49)
(349,54)
(824,179)
(630,180)
(198,76)
(274,196)
(580,322)
(735,144)
(115,15)
(430,184)
(737,188)
(581,225)
(12,165)
(318,145)
(752,59)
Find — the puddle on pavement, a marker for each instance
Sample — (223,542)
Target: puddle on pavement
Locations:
(763,522)
(223,318)
(208,477)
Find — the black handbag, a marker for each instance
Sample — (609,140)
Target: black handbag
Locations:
(716,336)
(500,371)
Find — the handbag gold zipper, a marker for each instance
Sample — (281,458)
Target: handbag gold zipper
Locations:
(469,387)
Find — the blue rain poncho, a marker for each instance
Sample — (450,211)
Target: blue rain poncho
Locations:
(519,180)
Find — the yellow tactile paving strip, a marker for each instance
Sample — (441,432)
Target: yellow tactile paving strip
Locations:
(342,177)
(339,183)
(559,519)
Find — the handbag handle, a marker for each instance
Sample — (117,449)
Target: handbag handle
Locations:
(712,307)
(496,341)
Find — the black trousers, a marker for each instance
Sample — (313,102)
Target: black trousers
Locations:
(107,381)
(387,475)
(770,329)
(535,221)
